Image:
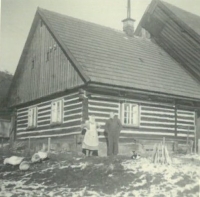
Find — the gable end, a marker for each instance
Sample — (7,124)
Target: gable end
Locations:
(44,68)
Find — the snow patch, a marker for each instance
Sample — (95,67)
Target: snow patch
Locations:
(81,166)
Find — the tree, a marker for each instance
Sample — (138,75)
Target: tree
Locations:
(5,82)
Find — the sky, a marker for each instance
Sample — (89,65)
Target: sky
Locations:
(17,17)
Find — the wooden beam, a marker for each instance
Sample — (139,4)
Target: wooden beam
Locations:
(110,88)
(49,97)
(187,107)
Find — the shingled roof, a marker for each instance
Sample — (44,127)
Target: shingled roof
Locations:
(107,56)
(192,20)
(110,57)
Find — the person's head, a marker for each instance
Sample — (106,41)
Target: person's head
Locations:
(112,114)
(92,118)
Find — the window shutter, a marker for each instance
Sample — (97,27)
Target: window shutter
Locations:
(135,110)
(34,116)
(127,113)
(30,117)
(124,113)
(54,112)
(59,110)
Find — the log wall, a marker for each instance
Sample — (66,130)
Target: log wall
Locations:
(72,119)
(157,120)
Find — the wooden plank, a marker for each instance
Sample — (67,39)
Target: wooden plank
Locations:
(64,128)
(180,23)
(182,44)
(175,54)
(57,135)
(171,23)
(71,118)
(46,74)
(174,39)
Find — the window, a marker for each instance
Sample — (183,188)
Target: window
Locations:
(56,112)
(130,114)
(32,117)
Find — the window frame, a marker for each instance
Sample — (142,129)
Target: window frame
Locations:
(34,117)
(57,122)
(130,107)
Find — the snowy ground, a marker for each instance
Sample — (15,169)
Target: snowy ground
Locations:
(77,176)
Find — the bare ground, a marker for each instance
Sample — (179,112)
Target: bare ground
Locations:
(72,175)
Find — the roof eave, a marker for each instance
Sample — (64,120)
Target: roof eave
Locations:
(139,91)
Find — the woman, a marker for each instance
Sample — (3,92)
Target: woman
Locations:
(91,140)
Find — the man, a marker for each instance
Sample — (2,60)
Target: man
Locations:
(112,128)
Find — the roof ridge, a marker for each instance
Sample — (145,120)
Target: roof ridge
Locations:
(82,21)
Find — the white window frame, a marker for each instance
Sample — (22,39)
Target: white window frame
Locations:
(32,117)
(57,111)
(131,121)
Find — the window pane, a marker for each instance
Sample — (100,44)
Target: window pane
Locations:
(125,117)
(131,114)
(126,114)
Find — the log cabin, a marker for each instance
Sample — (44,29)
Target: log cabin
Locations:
(177,32)
(70,69)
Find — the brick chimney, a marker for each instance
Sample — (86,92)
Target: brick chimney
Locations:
(128,23)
